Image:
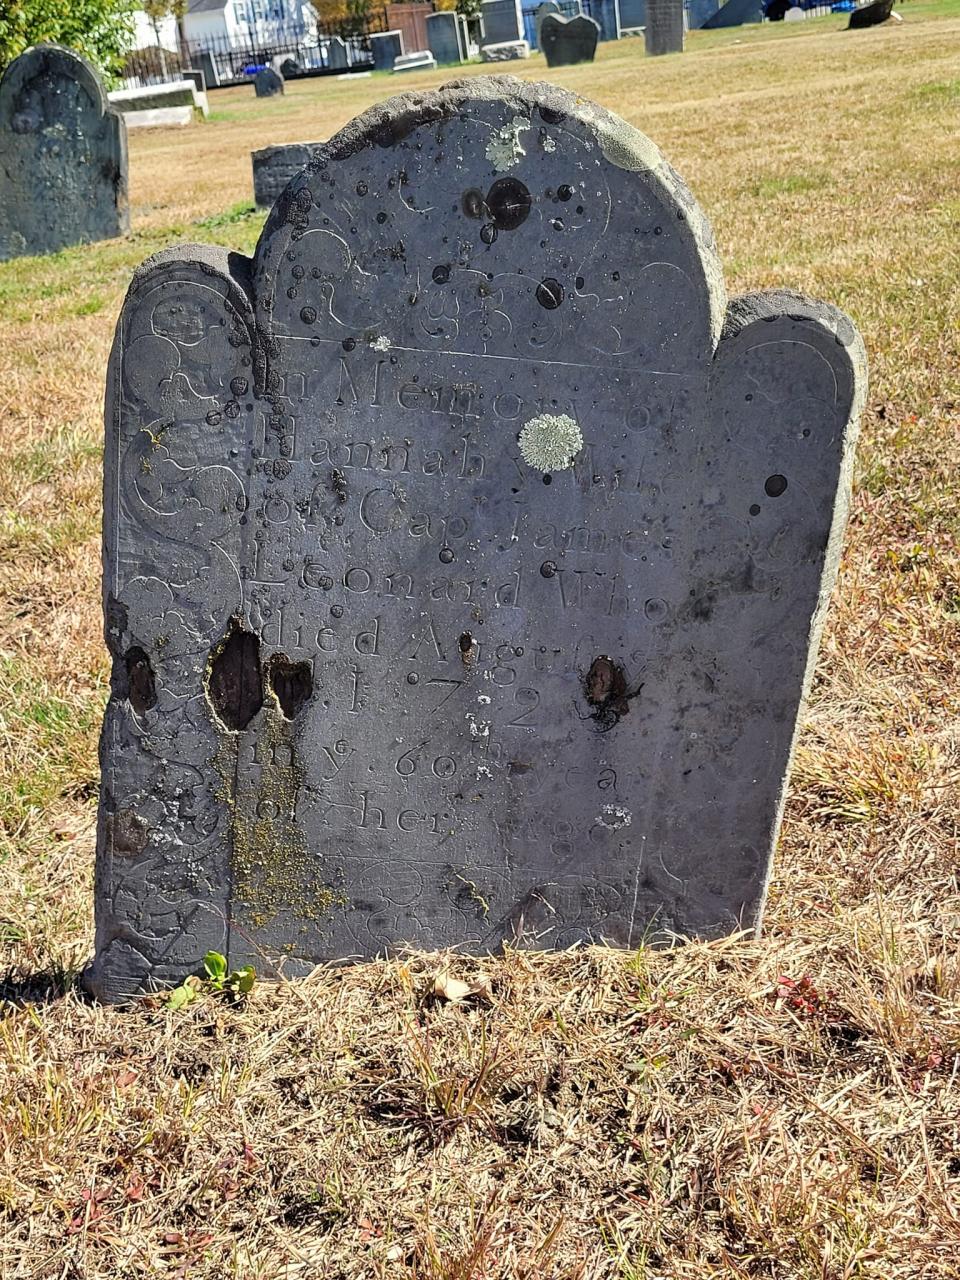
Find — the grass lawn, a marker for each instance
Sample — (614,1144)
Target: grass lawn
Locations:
(782,1108)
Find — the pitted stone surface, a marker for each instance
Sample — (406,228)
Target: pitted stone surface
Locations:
(567,41)
(63,155)
(465,555)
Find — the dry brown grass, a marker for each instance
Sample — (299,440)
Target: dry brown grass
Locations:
(783,1108)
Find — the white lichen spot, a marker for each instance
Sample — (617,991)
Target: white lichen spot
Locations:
(550,441)
(483,698)
(381,344)
(504,149)
(549,144)
(478,728)
(483,771)
(614,816)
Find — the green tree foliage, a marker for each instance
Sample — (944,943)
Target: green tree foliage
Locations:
(102,30)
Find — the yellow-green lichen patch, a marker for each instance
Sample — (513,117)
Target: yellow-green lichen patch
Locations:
(273,873)
(505,149)
(550,441)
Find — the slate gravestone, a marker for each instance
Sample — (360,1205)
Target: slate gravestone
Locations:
(63,155)
(386,47)
(336,53)
(567,41)
(663,32)
(268,83)
(502,21)
(465,555)
(633,14)
(274,167)
(445,35)
(870,15)
(549,6)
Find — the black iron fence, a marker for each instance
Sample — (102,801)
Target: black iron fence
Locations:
(344,47)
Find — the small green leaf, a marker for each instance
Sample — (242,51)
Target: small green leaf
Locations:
(215,967)
(180,997)
(245,978)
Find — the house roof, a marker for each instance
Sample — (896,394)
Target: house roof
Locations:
(205,6)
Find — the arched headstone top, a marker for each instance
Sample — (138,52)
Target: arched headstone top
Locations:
(465,555)
(63,153)
(499,183)
(47,62)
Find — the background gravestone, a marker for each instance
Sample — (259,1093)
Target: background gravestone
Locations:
(502,21)
(273,168)
(445,35)
(268,83)
(663,32)
(567,41)
(465,555)
(386,47)
(63,155)
(549,6)
(633,14)
(336,53)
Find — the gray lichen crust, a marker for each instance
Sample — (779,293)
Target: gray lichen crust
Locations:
(465,555)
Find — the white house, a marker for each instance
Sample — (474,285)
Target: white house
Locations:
(239,21)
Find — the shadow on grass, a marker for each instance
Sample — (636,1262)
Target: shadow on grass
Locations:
(46,986)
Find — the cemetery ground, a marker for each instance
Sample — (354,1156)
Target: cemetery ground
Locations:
(788,1107)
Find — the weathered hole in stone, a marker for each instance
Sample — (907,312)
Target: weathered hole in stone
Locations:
(606,689)
(141,686)
(550,293)
(233,680)
(474,205)
(291,683)
(774,486)
(467,650)
(508,202)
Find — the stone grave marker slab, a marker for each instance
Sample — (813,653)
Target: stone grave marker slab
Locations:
(633,14)
(549,6)
(63,155)
(663,32)
(336,53)
(268,83)
(502,21)
(422,60)
(465,555)
(445,35)
(274,167)
(509,51)
(567,41)
(386,47)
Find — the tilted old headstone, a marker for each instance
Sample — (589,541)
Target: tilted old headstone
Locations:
(63,155)
(274,167)
(663,32)
(567,41)
(268,83)
(465,555)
